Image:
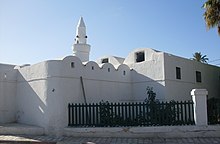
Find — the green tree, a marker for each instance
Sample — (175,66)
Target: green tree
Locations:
(212,14)
(197,56)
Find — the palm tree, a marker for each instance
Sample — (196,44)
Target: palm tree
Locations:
(200,58)
(212,14)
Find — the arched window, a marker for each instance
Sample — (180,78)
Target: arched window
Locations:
(72,64)
(124,72)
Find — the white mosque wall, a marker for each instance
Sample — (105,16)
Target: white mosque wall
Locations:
(100,83)
(148,73)
(31,95)
(179,89)
(6,67)
(7,94)
(39,94)
(44,90)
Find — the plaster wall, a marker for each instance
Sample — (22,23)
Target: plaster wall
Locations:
(81,51)
(149,72)
(31,95)
(7,94)
(100,83)
(44,90)
(179,89)
(6,67)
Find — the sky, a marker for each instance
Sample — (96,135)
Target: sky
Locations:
(33,31)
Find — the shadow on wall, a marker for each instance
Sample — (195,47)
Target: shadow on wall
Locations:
(43,100)
(31,101)
(114,83)
(141,82)
(7,95)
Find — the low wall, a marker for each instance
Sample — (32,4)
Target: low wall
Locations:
(156,132)
(20,129)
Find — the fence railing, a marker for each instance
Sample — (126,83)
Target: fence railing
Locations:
(213,110)
(130,114)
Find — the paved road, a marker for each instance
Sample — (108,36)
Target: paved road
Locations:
(6,139)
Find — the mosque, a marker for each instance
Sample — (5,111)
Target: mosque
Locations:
(39,94)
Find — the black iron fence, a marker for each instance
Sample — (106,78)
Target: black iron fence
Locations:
(213,110)
(107,114)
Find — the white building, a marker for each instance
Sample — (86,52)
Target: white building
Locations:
(39,94)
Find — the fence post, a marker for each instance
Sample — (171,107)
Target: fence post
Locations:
(199,97)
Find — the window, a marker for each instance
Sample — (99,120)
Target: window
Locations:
(140,56)
(72,64)
(92,67)
(198,76)
(124,72)
(105,60)
(108,69)
(178,73)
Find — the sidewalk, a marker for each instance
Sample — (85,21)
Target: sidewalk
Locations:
(23,139)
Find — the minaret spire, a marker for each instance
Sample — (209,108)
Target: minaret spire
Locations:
(81,23)
(81,36)
(80,48)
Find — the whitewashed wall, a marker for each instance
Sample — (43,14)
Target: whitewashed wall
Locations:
(179,89)
(147,73)
(45,89)
(40,93)
(6,67)
(101,83)
(7,95)
(31,95)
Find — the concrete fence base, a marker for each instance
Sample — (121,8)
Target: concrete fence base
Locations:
(156,132)
(20,129)
(135,132)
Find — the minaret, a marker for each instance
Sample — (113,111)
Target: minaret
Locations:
(80,48)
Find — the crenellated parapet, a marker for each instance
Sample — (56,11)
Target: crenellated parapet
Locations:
(73,67)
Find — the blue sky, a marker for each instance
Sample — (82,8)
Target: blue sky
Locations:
(32,31)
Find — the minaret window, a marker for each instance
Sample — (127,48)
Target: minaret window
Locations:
(124,72)
(72,64)
(77,36)
(108,69)
(85,36)
(140,56)
(105,60)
